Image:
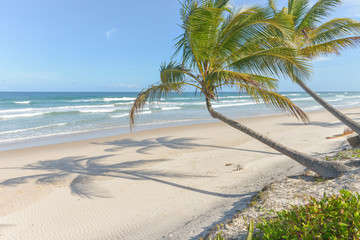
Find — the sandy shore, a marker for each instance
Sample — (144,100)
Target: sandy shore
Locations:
(169,183)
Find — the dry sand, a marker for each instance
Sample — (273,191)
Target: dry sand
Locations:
(169,183)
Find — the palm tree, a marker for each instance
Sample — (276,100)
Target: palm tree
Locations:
(234,48)
(314,39)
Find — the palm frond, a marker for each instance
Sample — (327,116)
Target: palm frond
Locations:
(272,5)
(248,26)
(219,78)
(320,10)
(330,48)
(153,93)
(273,100)
(174,72)
(201,21)
(334,29)
(274,62)
(297,9)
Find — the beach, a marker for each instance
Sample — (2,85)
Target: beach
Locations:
(167,183)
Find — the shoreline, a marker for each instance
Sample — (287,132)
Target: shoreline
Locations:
(171,183)
(102,133)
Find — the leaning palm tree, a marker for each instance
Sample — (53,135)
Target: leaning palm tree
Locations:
(314,39)
(222,47)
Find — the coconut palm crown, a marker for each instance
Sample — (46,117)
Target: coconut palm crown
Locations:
(242,49)
(222,47)
(315,38)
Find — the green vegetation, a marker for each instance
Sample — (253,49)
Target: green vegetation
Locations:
(348,154)
(332,217)
(217,237)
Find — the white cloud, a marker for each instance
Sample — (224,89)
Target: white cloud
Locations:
(109,33)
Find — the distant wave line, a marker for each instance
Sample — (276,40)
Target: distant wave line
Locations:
(104,99)
(170,108)
(233,105)
(20,115)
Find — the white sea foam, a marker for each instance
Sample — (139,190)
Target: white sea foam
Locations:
(83,106)
(351,97)
(182,98)
(113,99)
(23,102)
(291,94)
(233,97)
(233,105)
(23,115)
(43,136)
(87,100)
(34,128)
(29,112)
(54,109)
(171,121)
(16,110)
(170,108)
(190,103)
(96,110)
(312,108)
(120,115)
(122,104)
(301,99)
(118,99)
(334,100)
(232,101)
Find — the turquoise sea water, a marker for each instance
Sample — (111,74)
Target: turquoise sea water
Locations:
(26,116)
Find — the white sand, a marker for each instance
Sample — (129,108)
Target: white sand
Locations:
(170,183)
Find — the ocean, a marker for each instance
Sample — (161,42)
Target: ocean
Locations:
(51,117)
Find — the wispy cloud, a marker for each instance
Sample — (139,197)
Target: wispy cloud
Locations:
(110,33)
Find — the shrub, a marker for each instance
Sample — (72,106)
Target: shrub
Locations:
(332,217)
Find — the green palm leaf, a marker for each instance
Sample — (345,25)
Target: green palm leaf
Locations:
(297,8)
(331,47)
(272,99)
(335,28)
(274,62)
(153,93)
(272,4)
(320,10)
(220,78)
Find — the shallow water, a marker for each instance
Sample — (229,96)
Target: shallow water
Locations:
(30,116)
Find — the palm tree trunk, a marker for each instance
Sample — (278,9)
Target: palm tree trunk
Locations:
(323,168)
(339,115)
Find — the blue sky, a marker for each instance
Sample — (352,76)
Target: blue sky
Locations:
(116,45)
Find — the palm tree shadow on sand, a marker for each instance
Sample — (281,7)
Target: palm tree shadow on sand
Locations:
(83,171)
(146,145)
